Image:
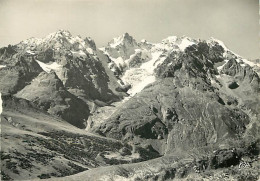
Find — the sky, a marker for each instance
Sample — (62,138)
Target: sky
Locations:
(235,22)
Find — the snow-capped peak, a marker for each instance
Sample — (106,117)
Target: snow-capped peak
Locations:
(59,39)
(170,39)
(214,40)
(121,40)
(32,40)
(60,33)
(186,41)
(143,41)
(175,43)
(57,35)
(227,51)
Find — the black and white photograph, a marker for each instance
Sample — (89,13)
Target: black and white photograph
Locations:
(130,90)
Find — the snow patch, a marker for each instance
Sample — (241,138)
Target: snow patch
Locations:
(35,41)
(116,41)
(103,49)
(220,43)
(90,51)
(185,43)
(118,61)
(137,50)
(169,64)
(118,156)
(59,37)
(80,52)
(30,52)
(252,64)
(221,66)
(48,67)
(2,66)
(120,82)
(226,50)
(174,43)
(170,39)
(143,41)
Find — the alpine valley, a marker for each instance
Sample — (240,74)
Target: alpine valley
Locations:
(180,109)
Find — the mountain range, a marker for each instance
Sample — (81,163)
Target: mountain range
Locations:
(183,108)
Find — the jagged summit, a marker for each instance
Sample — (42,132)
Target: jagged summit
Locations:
(122,40)
(172,42)
(61,39)
(59,33)
(54,35)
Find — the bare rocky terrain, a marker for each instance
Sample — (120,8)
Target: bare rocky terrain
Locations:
(181,109)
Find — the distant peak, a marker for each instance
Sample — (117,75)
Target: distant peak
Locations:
(170,39)
(126,35)
(143,41)
(63,31)
(122,40)
(59,33)
(214,40)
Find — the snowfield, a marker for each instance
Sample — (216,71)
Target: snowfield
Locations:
(2,66)
(48,67)
(140,77)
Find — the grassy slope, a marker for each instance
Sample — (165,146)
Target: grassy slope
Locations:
(38,145)
(165,168)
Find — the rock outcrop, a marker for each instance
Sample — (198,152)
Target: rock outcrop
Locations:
(48,93)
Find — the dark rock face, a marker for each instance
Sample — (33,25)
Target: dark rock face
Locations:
(225,158)
(124,88)
(46,55)
(90,43)
(233,85)
(14,78)
(242,74)
(6,53)
(185,117)
(49,94)
(196,61)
